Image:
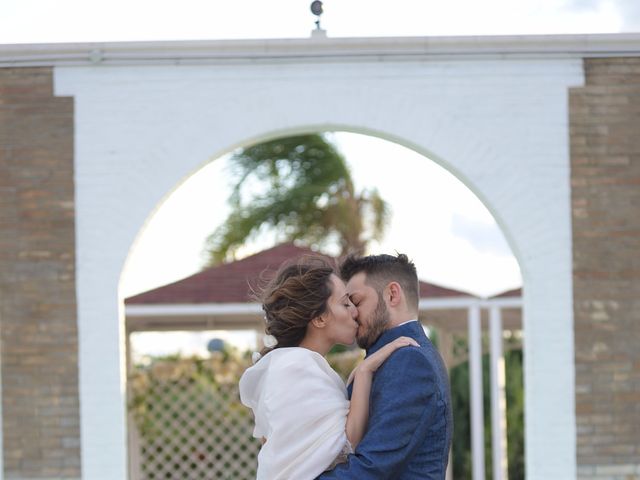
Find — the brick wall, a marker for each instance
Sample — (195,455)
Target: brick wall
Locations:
(605,177)
(40,408)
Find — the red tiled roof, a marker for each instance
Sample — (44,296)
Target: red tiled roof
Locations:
(516,292)
(431,290)
(232,282)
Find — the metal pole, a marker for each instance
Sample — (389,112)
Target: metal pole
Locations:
(498,398)
(475,380)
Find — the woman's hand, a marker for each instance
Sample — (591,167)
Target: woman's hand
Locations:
(373,362)
(362,379)
(370,364)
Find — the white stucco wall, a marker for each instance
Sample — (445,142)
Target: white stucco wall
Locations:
(500,125)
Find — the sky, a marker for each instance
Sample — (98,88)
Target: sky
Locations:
(37,21)
(458,245)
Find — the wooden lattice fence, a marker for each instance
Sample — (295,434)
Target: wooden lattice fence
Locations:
(188,421)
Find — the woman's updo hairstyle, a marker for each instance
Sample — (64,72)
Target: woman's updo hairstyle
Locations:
(297,294)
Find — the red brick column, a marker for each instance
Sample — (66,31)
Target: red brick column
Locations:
(605,178)
(39,362)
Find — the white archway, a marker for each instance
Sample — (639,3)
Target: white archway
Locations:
(500,125)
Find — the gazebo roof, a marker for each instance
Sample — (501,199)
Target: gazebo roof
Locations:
(232,282)
(516,292)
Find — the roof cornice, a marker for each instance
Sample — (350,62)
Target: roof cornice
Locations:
(319,49)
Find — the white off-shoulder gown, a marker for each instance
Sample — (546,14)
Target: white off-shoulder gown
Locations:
(300,406)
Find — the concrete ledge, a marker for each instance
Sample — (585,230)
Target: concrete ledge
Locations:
(317,49)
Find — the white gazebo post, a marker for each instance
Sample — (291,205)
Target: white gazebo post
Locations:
(498,398)
(134,460)
(445,338)
(475,377)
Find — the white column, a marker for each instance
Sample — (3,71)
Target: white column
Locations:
(445,338)
(475,380)
(133,447)
(498,398)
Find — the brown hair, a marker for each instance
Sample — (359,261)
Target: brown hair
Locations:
(382,269)
(296,295)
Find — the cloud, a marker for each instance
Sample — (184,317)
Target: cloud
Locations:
(630,13)
(628,10)
(483,237)
(583,5)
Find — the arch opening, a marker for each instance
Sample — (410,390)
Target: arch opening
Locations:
(425,157)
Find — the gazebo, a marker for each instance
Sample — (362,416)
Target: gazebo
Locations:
(220,297)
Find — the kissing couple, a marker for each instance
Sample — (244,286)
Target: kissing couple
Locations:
(392,419)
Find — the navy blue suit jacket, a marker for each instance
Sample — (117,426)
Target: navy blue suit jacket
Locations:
(410,422)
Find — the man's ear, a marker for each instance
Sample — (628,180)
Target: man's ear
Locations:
(395,294)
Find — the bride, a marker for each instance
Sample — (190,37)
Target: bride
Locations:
(302,414)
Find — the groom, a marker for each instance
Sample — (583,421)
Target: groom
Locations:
(410,423)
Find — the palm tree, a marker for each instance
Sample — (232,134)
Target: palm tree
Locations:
(301,187)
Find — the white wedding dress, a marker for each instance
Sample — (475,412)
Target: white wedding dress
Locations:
(300,406)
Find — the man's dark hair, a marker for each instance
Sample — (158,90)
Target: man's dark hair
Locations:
(382,269)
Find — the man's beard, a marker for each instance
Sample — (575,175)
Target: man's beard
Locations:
(377,324)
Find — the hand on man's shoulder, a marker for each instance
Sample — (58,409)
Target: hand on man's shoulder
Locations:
(406,359)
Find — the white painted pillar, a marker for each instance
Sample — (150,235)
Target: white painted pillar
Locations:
(475,380)
(133,436)
(446,350)
(498,398)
